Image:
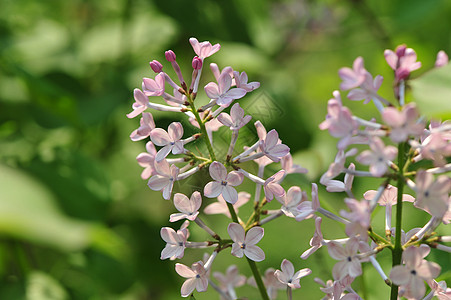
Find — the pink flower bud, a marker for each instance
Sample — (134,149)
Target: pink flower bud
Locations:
(197,63)
(170,55)
(156,66)
(401,50)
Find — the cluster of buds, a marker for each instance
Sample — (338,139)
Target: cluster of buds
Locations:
(400,124)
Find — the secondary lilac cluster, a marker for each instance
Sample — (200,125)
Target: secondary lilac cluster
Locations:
(396,145)
(402,134)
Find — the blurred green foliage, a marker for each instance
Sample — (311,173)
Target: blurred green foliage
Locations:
(76,220)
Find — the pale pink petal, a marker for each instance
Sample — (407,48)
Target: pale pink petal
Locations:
(202,284)
(213,189)
(217,171)
(172,251)
(184,271)
(355,268)
(237,250)
(254,253)
(175,131)
(160,137)
(302,273)
(400,275)
(229,194)
(167,191)
(212,90)
(236,232)
(178,148)
(336,251)
(287,268)
(183,204)
(157,182)
(225,119)
(254,235)
(162,153)
(169,235)
(234,178)
(272,137)
(428,270)
(224,83)
(188,287)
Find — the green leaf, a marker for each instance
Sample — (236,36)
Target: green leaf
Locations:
(28,211)
(41,286)
(432,93)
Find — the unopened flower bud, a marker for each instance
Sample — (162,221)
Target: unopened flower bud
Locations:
(156,66)
(170,55)
(401,50)
(197,63)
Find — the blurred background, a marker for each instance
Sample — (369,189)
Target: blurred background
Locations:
(76,219)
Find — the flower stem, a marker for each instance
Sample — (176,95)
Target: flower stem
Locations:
(397,250)
(202,129)
(258,279)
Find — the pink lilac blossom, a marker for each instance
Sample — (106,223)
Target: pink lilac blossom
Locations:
(349,263)
(289,167)
(403,123)
(153,87)
(337,166)
(147,124)
(442,59)
(221,92)
(360,217)
(288,277)
(220,207)
(169,140)
(334,186)
(196,278)
(271,282)
(339,122)
(368,89)
(204,49)
(175,242)
(307,209)
(146,160)
(271,148)
(354,77)
(188,207)
(140,104)
(402,61)
(410,276)
(388,198)
(378,158)
(244,243)
(272,186)
(236,119)
(230,280)
(439,289)
(316,241)
(291,201)
(164,179)
(241,82)
(436,147)
(224,183)
(432,195)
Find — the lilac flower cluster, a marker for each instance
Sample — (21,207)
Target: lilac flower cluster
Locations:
(396,145)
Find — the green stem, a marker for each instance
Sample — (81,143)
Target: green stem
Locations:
(258,279)
(232,212)
(203,130)
(397,250)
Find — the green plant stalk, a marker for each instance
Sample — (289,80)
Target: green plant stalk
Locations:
(203,130)
(397,250)
(258,279)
